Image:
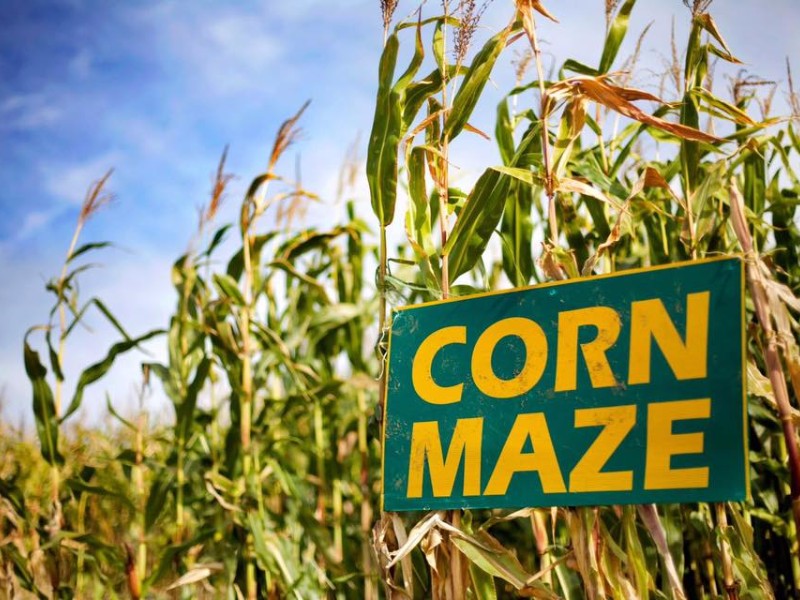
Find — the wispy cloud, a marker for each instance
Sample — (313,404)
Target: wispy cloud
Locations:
(221,52)
(28,111)
(81,64)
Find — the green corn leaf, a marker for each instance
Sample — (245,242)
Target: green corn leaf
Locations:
(43,407)
(61,287)
(525,176)
(636,555)
(157,499)
(690,152)
(256,184)
(472,85)
(55,362)
(476,222)
(288,268)
(183,272)
(97,370)
(12,492)
(168,556)
(616,33)
(388,128)
(97,303)
(228,289)
(330,317)
(216,240)
(486,553)
(236,263)
(309,240)
(720,108)
(450,20)
(414,65)
(79,486)
(577,67)
(417,189)
(87,248)
(504,132)
(516,230)
(439,51)
(384,140)
(269,552)
(419,92)
(186,410)
(482,583)
(117,416)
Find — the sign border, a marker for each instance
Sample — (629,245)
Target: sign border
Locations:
(546,284)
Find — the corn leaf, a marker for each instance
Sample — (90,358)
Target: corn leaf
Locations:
(388,128)
(228,289)
(80,250)
(616,33)
(43,407)
(476,222)
(97,370)
(472,84)
(186,410)
(156,500)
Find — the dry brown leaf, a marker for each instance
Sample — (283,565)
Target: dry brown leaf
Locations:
(650,178)
(550,265)
(711,27)
(619,99)
(405,560)
(473,129)
(527,5)
(568,185)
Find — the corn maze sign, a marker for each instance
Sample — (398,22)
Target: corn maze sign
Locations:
(609,390)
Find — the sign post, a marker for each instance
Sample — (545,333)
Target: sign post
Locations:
(616,389)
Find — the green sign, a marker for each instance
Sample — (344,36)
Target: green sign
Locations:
(616,389)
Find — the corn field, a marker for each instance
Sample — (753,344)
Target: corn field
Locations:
(263,478)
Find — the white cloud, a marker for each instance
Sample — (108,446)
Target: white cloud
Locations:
(81,64)
(33,222)
(28,111)
(302,9)
(225,52)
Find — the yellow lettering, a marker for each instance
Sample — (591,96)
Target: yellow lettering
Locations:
(687,359)
(535,343)
(662,445)
(421,375)
(427,444)
(617,422)
(512,460)
(607,322)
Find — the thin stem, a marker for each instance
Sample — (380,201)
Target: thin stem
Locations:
(81,550)
(370,589)
(529,25)
(62,314)
(727,563)
(247,402)
(319,451)
(539,527)
(758,292)
(382,271)
(454,585)
(444,186)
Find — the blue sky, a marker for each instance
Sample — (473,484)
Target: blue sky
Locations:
(157,88)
